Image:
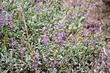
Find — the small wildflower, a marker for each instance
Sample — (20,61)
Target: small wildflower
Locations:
(38,10)
(38,1)
(95,27)
(105,51)
(45,40)
(59,37)
(33,66)
(43,29)
(65,5)
(85,32)
(99,59)
(1,9)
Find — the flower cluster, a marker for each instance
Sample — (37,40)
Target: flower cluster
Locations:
(38,1)
(59,37)
(45,38)
(1,9)
(94,27)
(38,8)
(92,21)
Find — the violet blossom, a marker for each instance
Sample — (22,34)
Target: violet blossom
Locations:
(33,66)
(36,60)
(99,59)
(59,37)
(95,27)
(105,51)
(38,1)
(43,29)
(45,40)
(38,10)
(65,5)
(85,32)
(1,9)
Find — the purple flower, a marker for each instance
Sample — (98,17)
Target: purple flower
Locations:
(95,27)
(43,29)
(1,9)
(38,1)
(59,40)
(33,66)
(59,37)
(45,40)
(65,4)
(99,59)
(38,10)
(105,51)
(85,32)
(63,35)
